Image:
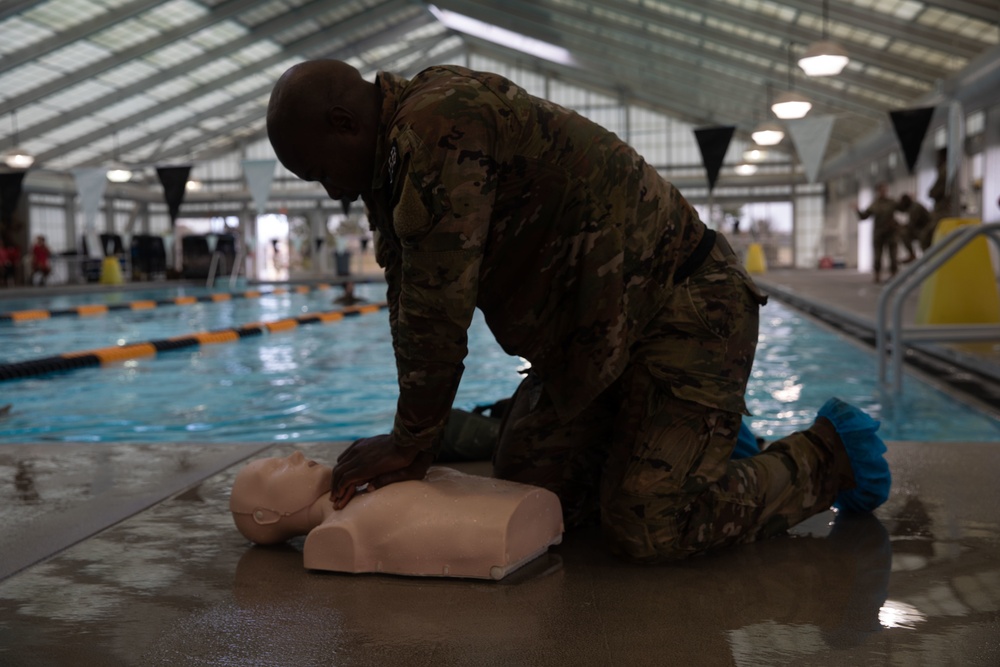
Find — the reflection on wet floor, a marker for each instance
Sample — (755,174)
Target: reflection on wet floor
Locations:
(916,583)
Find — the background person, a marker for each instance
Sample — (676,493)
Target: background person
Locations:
(885,232)
(919,227)
(40,265)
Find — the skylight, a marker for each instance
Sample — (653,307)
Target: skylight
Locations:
(503,37)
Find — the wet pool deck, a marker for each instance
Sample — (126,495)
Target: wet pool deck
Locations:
(125,554)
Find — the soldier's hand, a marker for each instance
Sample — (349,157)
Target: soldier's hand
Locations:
(375,461)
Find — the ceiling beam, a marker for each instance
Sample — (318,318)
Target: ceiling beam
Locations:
(220,12)
(686,58)
(235,145)
(77,32)
(13,8)
(758,76)
(308,45)
(882,23)
(226,108)
(261,32)
(645,93)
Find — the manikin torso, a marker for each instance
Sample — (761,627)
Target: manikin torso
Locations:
(448,524)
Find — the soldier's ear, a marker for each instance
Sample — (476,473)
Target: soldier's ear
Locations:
(341,120)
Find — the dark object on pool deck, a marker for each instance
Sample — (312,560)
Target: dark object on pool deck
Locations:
(149,257)
(196,258)
(343,260)
(196,254)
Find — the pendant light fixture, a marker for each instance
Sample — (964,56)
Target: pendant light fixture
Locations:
(117,171)
(755,152)
(825,57)
(789,104)
(17,157)
(767,133)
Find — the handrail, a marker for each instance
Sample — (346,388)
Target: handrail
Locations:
(241,255)
(216,257)
(890,341)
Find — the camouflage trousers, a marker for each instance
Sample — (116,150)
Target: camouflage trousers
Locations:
(650,458)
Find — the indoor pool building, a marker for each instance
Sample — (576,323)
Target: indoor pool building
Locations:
(175,304)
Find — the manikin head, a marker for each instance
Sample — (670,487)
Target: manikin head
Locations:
(271,498)
(322,121)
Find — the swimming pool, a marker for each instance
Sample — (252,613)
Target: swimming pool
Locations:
(337,381)
(70,333)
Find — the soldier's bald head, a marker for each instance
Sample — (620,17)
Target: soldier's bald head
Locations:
(322,120)
(306,90)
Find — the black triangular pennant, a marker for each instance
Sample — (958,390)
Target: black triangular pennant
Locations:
(174,180)
(713,142)
(345,205)
(911,128)
(10,194)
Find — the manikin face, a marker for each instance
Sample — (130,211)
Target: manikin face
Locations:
(269,489)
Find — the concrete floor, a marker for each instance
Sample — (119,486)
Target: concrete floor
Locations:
(125,554)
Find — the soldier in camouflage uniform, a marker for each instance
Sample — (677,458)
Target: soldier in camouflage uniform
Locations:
(640,323)
(919,226)
(885,232)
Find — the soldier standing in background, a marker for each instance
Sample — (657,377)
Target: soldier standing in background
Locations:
(639,322)
(885,232)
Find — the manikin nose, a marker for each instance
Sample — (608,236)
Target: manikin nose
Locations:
(297,457)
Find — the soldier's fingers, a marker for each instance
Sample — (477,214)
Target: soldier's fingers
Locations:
(341,499)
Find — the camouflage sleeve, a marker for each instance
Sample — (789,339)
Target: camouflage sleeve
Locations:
(442,219)
(388,258)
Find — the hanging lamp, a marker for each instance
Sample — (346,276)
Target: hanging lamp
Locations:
(117,171)
(790,104)
(767,133)
(825,57)
(17,157)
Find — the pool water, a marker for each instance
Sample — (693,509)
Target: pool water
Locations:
(107,296)
(32,339)
(337,381)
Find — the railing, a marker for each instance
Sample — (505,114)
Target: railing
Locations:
(891,338)
(241,256)
(216,258)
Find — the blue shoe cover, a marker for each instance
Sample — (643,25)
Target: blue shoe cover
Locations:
(865,449)
(746,443)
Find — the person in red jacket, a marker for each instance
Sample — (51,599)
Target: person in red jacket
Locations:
(10,257)
(40,255)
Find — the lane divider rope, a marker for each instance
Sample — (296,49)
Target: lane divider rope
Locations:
(95,310)
(108,355)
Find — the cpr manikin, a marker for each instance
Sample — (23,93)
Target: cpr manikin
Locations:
(448,524)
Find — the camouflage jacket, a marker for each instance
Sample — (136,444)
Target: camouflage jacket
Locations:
(488,197)
(919,218)
(884,211)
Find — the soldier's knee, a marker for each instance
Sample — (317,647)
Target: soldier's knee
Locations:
(634,538)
